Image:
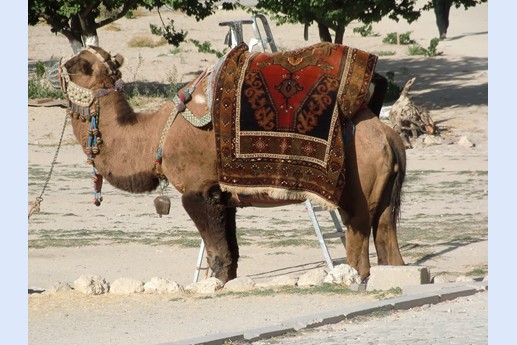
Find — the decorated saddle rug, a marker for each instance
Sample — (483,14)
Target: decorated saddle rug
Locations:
(281,119)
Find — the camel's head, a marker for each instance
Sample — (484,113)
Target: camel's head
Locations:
(92,68)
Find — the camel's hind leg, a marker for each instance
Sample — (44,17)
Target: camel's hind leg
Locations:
(384,222)
(385,239)
(357,244)
(216,224)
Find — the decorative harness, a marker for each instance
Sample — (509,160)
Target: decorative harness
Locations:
(83,104)
(180,102)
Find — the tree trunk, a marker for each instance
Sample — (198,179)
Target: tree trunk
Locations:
(82,33)
(340,34)
(324,33)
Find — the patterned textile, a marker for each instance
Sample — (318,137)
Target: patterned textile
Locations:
(279,119)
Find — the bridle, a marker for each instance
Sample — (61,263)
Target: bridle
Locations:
(83,104)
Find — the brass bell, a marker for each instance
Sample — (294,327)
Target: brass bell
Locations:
(162,204)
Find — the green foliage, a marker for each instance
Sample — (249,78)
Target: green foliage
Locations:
(431,50)
(393,91)
(404,38)
(169,33)
(365,30)
(77,18)
(416,49)
(338,14)
(206,47)
(39,86)
(40,69)
(457,3)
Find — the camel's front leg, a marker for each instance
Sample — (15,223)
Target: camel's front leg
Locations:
(216,225)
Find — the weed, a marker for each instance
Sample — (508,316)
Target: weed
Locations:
(365,30)
(431,50)
(383,294)
(416,49)
(175,50)
(112,27)
(396,38)
(145,41)
(39,86)
(478,271)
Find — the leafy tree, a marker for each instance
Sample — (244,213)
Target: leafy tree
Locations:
(337,14)
(457,3)
(78,20)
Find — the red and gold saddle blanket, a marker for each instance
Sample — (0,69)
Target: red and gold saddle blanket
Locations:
(279,119)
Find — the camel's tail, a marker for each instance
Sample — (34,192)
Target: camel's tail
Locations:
(399,166)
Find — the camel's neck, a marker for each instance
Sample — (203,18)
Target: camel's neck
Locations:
(129,143)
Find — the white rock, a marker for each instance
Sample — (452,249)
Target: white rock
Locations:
(209,285)
(343,274)
(429,140)
(280,281)
(240,284)
(443,278)
(59,287)
(485,279)
(162,285)
(91,285)
(126,286)
(464,141)
(313,277)
(464,279)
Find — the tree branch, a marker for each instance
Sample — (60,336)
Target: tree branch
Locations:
(127,6)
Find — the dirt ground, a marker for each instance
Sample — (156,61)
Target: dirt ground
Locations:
(444,222)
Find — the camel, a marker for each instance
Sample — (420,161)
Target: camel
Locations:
(126,158)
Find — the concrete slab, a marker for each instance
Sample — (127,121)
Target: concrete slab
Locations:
(266,332)
(388,277)
(408,302)
(212,339)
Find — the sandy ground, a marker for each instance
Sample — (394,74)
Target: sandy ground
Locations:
(444,222)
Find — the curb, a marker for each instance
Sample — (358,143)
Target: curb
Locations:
(422,295)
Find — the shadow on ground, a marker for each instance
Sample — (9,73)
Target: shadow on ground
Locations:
(434,76)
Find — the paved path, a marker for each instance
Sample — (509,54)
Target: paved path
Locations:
(448,314)
(461,321)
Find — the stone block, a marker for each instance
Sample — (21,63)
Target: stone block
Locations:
(413,301)
(387,277)
(452,293)
(212,339)
(266,332)
(367,308)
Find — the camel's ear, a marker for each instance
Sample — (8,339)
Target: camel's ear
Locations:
(78,65)
(118,60)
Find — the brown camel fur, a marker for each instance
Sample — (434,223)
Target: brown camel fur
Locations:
(375,169)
